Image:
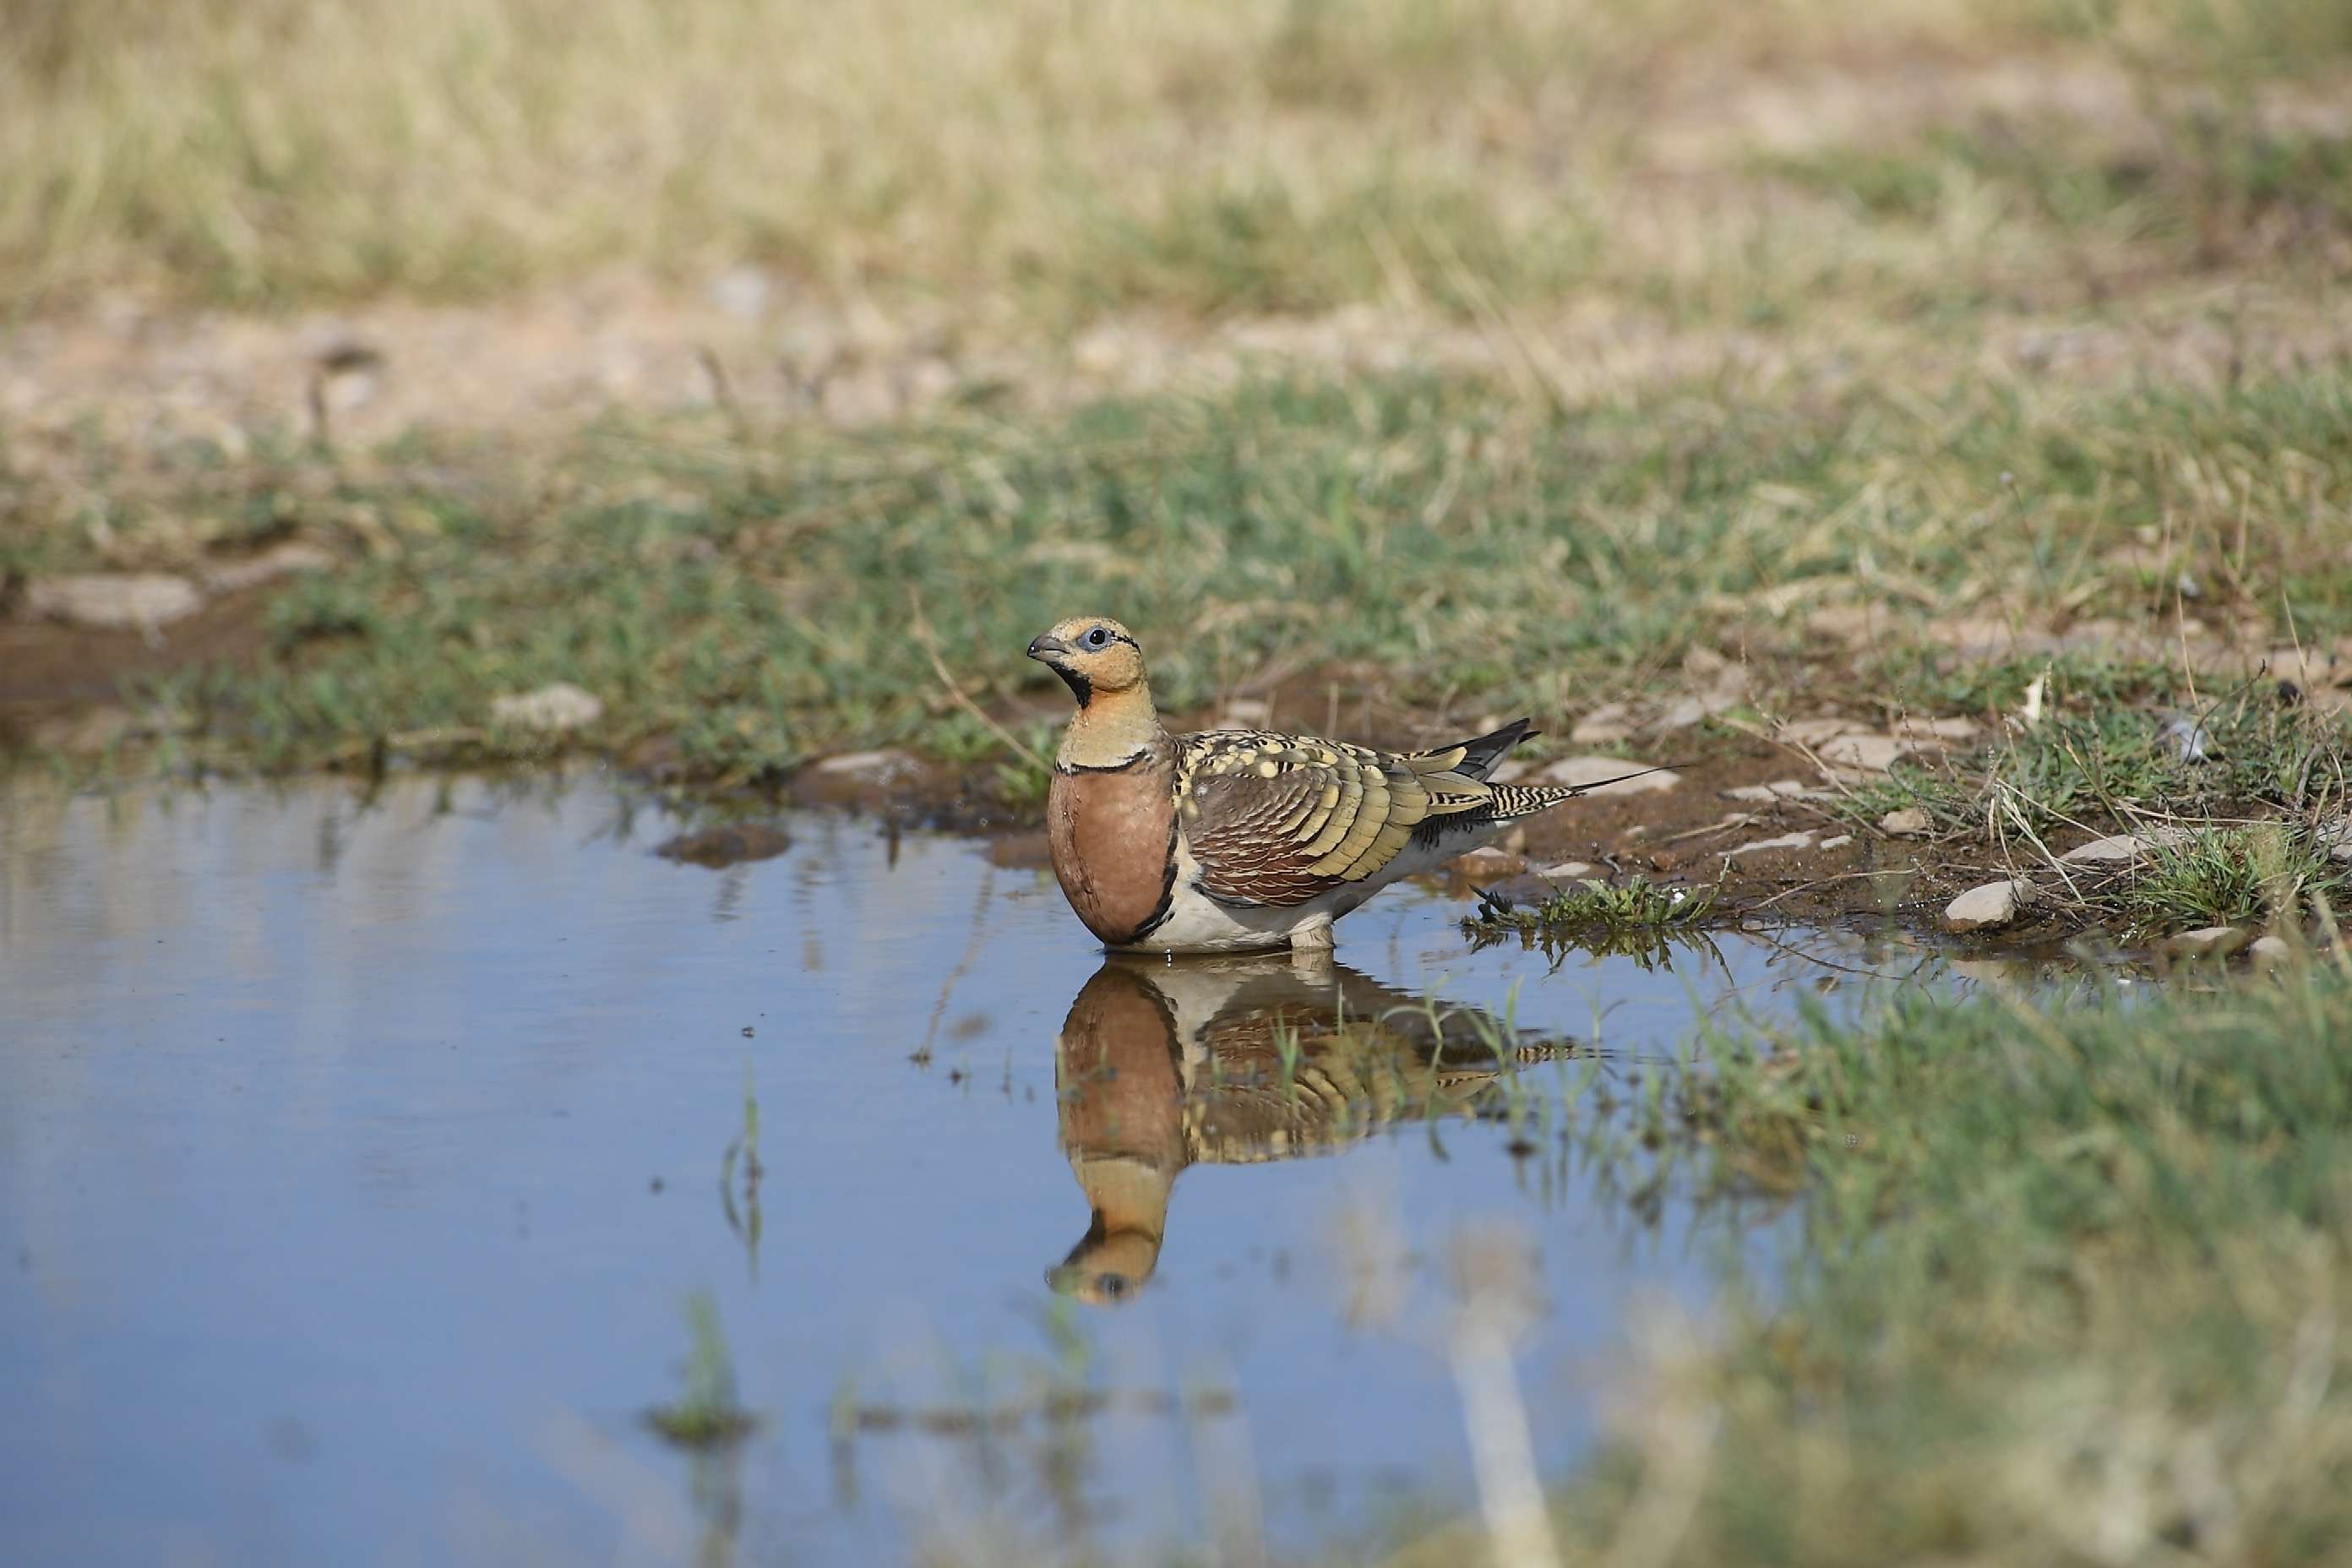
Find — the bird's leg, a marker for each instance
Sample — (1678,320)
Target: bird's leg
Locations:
(1313,937)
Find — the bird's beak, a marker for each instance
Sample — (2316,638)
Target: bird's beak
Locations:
(1046,647)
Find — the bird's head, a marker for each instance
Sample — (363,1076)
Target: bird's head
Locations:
(1106,1269)
(1092,653)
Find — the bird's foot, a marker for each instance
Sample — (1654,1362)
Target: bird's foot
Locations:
(1316,938)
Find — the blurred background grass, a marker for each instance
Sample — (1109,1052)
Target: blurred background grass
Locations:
(1052,159)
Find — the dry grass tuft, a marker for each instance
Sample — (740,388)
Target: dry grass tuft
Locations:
(1034,156)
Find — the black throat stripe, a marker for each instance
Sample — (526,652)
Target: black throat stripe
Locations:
(1159,916)
(1066,769)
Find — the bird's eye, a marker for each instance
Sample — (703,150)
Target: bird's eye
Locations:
(1114,1285)
(1096,637)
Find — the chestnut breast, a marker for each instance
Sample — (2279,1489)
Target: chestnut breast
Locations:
(1119,1075)
(1113,835)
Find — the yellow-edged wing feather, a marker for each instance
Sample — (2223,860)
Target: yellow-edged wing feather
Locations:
(1282,819)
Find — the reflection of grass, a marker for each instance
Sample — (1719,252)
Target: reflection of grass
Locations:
(1636,902)
(1635,918)
(706,1412)
(743,1154)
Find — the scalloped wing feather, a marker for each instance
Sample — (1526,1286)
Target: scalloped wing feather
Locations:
(1279,820)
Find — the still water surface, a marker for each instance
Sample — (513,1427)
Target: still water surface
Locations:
(359,1160)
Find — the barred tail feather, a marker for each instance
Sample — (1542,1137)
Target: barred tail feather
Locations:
(1512,802)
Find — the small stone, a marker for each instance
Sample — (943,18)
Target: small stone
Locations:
(1566,870)
(554,708)
(1982,909)
(742,292)
(862,397)
(1778,789)
(2123,849)
(86,733)
(2207,941)
(1597,773)
(1685,712)
(1840,842)
(281,561)
(2186,739)
(1850,624)
(1908,823)
(1801,840)
(1488,861)
(350,373)
(1609,722)
(731,844)
(928,380)
(2335,837)
(883,764)
(1813,732)
(1867,753)
(2270,952)
(1922,731)
(2310,668)
(114,601)
(2116,849)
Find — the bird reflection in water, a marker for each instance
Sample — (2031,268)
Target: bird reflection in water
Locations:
(1239,1061)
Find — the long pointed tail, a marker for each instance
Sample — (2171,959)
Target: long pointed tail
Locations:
(1513,801)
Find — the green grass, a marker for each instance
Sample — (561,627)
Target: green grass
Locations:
(2210,186)
(738,609)
(2232,876)
(2071,1293)
(2137,749)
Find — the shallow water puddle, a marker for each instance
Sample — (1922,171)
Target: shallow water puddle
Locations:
(359,1164)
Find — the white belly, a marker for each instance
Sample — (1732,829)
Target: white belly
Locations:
(1198,923)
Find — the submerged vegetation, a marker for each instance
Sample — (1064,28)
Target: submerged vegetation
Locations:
(708,1412)
(1636,916)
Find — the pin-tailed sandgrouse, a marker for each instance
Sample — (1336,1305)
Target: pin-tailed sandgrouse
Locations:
(1241,1061)
(1234,839)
